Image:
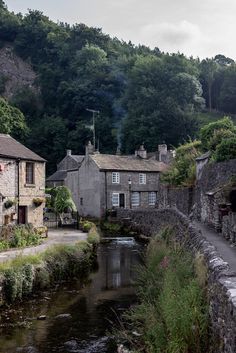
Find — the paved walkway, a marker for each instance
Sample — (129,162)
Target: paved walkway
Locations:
(225,249)
(55,236)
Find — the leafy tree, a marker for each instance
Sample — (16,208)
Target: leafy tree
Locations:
(217,129)
(226,150)
(63,201)
(209,69)
(12,121)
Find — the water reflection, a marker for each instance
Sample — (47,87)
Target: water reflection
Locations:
(91,309)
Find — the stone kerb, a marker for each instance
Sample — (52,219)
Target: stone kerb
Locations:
(221,281)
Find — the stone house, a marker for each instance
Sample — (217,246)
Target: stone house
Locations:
(115,181)
(67,173)
(22,183)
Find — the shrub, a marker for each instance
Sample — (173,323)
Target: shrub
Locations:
(208,131)
(86,226)
(226,150)
(93,237)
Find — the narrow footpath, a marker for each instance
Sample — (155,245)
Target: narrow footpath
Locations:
(55,236)
(225,249)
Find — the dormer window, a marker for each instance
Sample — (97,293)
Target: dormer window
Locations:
(29,173)
(115,178)
(142,178)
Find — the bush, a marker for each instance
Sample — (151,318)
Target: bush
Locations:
(86,226)
(93,237)
(208,131)
(183,168)
(226,150)
(172,314)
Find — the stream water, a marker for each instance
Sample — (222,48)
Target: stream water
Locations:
(77,319)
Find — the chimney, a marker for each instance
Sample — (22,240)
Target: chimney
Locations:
(68,152)
(162,152)
(89,149)
(118,151)
(141,152)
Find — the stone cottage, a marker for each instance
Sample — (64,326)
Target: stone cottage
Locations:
(115,181)
(67,173)
(22,183)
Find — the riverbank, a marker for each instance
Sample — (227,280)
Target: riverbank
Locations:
(43,267)
(172,310)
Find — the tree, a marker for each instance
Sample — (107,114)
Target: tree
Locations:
(63,201)
(12,120)
(208,69)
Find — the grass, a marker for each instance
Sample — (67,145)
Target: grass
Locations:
(23,275)
(172,314)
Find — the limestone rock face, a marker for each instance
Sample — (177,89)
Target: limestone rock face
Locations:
(15,72)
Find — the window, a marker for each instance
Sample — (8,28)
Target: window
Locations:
(29,175)
(142,178)
(135,199)
(115,178)
(115,199)
(152,198)
(81,201)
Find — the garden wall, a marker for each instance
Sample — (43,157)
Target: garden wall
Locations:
(221,281)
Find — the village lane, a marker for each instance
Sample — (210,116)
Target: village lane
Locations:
(55,237)
(225,249)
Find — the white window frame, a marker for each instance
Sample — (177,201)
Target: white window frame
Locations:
(115,177)
(152,198)
(116,195)
(135,199)
(142,178)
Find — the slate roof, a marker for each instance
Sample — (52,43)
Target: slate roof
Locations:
(78,158)
(11,148)
(127,163)
(59,175)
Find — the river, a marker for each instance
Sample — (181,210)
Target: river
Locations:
(77,319)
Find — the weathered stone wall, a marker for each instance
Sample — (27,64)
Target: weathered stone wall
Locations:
(29,192)
(180,198)
(221,281)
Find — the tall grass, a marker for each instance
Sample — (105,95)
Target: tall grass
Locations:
(172,314)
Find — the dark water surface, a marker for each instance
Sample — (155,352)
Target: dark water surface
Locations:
(76,318)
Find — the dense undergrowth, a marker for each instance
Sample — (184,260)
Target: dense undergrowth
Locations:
(24,275)
(19,236)
(172,314)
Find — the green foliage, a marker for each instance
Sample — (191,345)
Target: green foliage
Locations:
(93,236)
(172,314)
(26,274)
(63,200)
(86,226)
(183,169)
(11,120)
(19,236)
(212,133)
(226,150)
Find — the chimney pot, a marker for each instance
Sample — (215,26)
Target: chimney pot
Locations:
(68,152)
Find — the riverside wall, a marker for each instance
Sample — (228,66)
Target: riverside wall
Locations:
(221,284)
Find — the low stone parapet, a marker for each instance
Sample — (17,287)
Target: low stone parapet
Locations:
(221,284)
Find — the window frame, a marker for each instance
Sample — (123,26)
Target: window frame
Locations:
(135,204)
(142,178)
(115,177)
(150,194)
(29,173)
(116,194)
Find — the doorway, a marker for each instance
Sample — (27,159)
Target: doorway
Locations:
(122,200)
(22,212)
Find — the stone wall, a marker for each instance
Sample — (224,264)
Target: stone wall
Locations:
(180,198)
(221,281)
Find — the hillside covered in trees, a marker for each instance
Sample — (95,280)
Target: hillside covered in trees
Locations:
(143,95)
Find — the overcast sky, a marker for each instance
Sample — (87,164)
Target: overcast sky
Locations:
(199,28)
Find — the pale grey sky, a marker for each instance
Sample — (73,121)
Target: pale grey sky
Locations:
(199,28)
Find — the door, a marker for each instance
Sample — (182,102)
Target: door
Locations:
(122,200)
(22,215)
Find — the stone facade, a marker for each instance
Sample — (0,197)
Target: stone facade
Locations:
(221,281)
(98,192)
(22,195)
